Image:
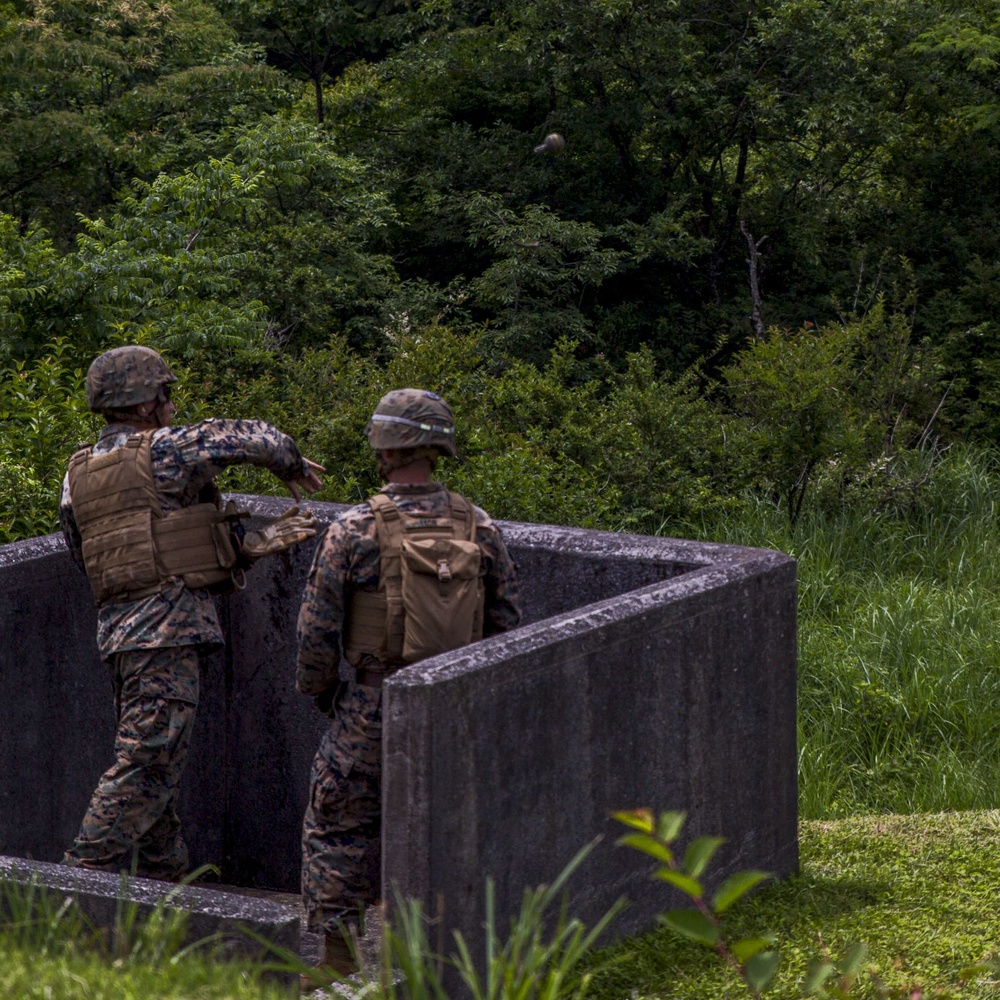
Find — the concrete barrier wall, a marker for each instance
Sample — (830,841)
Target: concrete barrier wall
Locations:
(506,760)
(648,672)
(57,717)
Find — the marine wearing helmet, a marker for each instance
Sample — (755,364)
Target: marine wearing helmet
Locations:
(125,377)
(412,572)
(409,425)
(142,516)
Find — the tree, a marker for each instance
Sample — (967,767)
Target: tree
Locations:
(208,257)
(99,92)
(319,40)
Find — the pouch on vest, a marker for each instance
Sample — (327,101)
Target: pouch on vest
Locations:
(430,592)
(440,589)
(196,543)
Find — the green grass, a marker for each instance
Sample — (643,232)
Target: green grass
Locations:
(50,951)
(899,647)
(73,973)
(921,891)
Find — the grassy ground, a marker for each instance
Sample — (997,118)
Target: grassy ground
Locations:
(76,974)
(921,891)
(899,647)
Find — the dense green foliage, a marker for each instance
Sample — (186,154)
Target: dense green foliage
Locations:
(249,172)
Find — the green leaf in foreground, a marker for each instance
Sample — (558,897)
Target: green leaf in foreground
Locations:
(817,973)
(746,948)
(856,954)
(669,825)
(735,887)
(648,845)
(698,854)
(761,969)
(693,925)
(638,819)
(689,886)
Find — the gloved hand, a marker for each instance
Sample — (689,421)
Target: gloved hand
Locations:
(282,533)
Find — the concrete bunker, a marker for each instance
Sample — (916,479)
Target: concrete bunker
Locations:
(648,671)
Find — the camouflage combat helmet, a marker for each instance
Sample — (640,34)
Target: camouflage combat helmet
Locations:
(412,418)
(126,376)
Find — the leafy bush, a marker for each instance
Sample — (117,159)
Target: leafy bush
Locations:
(564,443)
(44,418)
(846,404)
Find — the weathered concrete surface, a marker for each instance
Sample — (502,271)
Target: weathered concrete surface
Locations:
(212,913)
(506,758)
(649,672)
(57,717)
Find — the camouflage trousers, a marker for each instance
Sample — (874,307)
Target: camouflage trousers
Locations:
(132,816)
(343,820)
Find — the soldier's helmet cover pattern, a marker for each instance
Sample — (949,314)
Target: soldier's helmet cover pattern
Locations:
(412,418)
(126,376)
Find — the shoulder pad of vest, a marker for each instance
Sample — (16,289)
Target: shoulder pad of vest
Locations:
(463,507)
(381,504)
(81,453)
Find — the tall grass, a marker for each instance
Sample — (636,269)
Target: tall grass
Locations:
(49,950)
(899,646)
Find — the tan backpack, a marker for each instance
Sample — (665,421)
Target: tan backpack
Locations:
(430,593)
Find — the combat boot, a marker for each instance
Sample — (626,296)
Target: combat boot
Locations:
(339,961)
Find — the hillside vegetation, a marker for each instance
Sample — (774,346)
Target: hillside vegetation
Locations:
(753,299)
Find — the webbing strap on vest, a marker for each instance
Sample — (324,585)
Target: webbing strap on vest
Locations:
(376,622)
(131,548)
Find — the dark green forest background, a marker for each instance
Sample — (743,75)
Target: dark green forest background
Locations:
(765,263)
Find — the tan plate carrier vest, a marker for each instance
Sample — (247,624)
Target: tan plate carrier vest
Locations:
(131,547)
(430,590)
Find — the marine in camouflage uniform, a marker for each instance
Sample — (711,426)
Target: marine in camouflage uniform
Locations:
(343,815)
(153,644)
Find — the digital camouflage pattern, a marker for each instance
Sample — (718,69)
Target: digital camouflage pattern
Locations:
(343,816)
(133,809)
(125,376)
(412,418)
(152,647)
(185,459)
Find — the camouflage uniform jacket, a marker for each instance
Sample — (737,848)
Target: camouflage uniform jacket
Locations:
(348,558)
(185,459)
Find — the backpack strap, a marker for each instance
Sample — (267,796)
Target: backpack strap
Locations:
(463,516)
(389,530)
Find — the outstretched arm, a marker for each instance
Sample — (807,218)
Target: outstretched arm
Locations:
(188,457)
